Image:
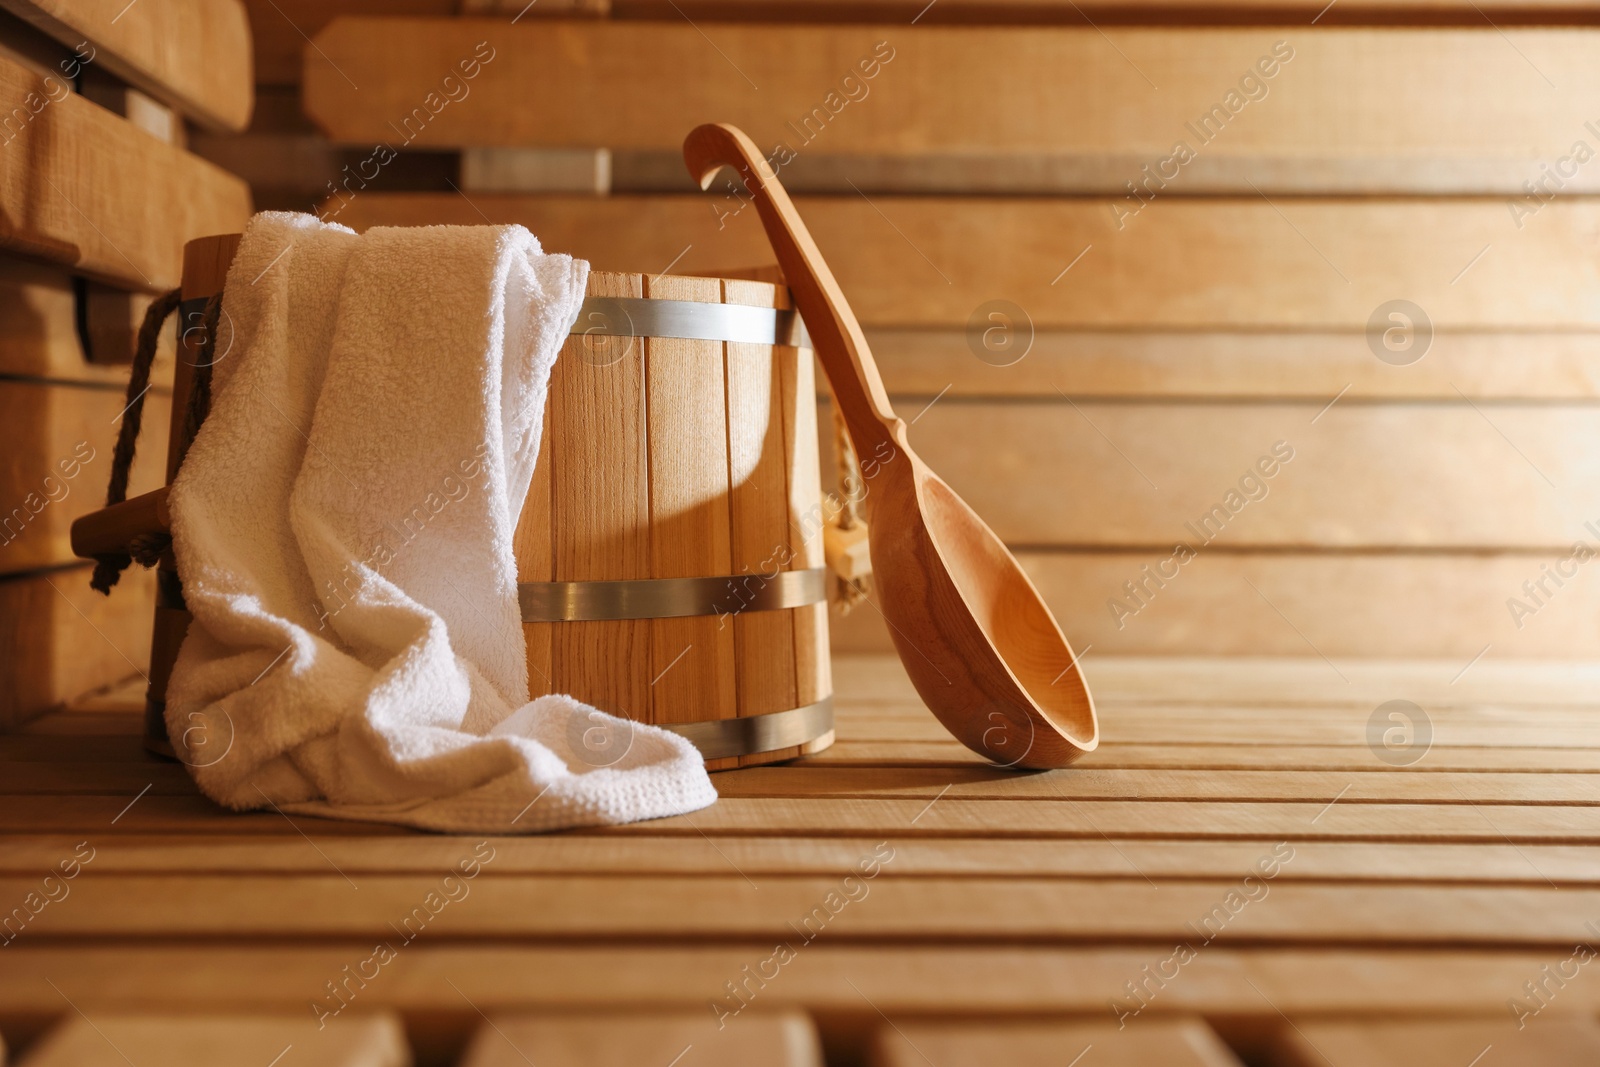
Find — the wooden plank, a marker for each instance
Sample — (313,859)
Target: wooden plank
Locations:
(1342,605)
(1363,475)
(202,1040)
(692,671)
(1119,818)
(782,1039)
(1236,911)
(193,55)
(1562,1041)
(1153,1043)
(1000,819)
(124,222)
(1116,12)
(1284,680)
(976,783)
(39,328)
(1336,92)
(1242,732)
(1092,783)
(853,752)
(1542,365)
(1090,859)
(280,30)
(909,981)
(58,639)
(1201,263)
(57,469)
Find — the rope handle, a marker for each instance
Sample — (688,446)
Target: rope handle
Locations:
(146,550)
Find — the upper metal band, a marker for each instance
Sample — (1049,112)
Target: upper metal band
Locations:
(752,734)
(626,316)
(669,598)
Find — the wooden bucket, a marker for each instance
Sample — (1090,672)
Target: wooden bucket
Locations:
(670,550)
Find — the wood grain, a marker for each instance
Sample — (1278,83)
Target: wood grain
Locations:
(199,1040)
(59,639)
(58,468)
(759,459)
(1127,474)
(1333,92)
(599,470)
(1197,263)
(1153,1043)
(1561,1041)
(910,980)
(120,215)
(1223,365)
(193,55)
(1421,605)
(782,1039)
(692,660)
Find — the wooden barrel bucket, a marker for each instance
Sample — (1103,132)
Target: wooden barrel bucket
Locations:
(669,555)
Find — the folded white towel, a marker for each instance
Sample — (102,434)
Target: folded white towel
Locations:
(343,527)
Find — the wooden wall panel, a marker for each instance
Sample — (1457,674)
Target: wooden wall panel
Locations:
(1298,94)
(42,311)
(57,462)
(1529,364)
(1185,264)
(1113,12)
(1341,605)
(193,55)
(88,190)
(1364,475)
(59,639)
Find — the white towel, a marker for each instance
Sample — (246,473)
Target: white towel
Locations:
(343,527)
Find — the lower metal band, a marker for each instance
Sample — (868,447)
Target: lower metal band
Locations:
(754,734)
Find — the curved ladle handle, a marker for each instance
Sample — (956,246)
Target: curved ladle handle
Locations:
(835,333)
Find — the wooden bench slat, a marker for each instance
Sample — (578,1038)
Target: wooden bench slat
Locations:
(1092,782)
(1562,1041)
(840,906)
(782,1039)
(938,981)
(558,857)
(106,1040)
(1164,1042)
(1216,820)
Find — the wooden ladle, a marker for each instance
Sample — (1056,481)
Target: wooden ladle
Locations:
(973,633)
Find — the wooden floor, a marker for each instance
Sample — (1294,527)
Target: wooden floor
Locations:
(1260,865)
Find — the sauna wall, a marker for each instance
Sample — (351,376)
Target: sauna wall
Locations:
(97,194)
(1253,328)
